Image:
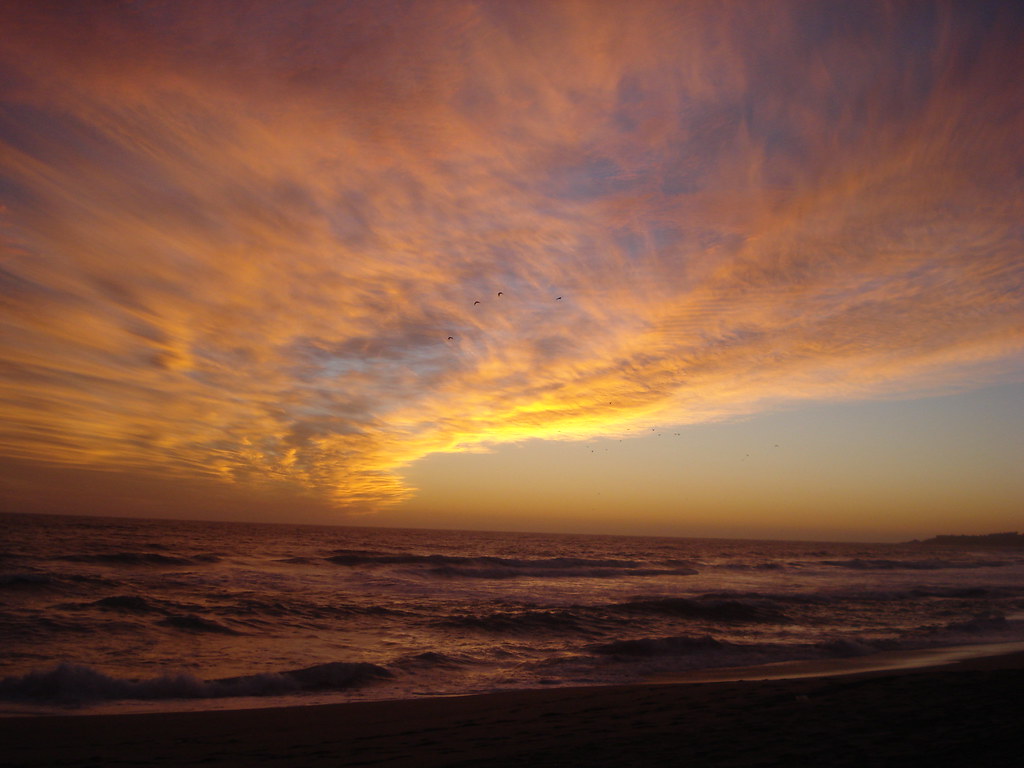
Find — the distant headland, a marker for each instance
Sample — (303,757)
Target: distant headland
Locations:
(995,540)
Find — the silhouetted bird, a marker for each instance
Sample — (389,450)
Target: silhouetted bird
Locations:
(559,298)
(451,338)
(475,303)
(500,293)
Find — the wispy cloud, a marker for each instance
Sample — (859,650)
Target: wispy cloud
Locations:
(249,241)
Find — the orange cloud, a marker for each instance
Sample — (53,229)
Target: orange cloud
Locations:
(236,244)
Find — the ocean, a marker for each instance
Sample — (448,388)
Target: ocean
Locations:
(102,614)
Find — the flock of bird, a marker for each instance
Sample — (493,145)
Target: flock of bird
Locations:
(500,294)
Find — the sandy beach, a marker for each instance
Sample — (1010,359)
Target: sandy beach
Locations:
(965,713)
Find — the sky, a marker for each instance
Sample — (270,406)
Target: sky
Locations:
(749,269)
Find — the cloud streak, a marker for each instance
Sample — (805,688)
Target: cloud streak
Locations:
(238,239)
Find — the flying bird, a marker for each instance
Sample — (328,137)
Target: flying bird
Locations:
(500,293)
(475,303)
(559,298)
(451,338)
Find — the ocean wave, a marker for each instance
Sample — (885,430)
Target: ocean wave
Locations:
(489,567)
(713,609)
(37,581)
(768,598)
(872,595)
(35,626)
(78,684)
(523,622)
(982,627)
(126,603)
(141,559)
(881,564)
(254,607)
(26,581)
(688,652)
(591,620)
(544,572)
(956,592)
(847,647)
(361,557)
(984,623)
(769,565)
(658,646)
(131,604)
(715,652)
(429,660)
(452,612)
(193,623)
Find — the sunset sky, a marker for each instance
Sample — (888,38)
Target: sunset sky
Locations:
(748,269)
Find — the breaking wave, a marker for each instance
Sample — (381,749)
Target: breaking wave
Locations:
(76,683)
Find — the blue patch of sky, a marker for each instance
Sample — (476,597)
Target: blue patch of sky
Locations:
(64,140)
(590,179)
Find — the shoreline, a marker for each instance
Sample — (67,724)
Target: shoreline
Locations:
(965,711)
(953,656)
(882,661)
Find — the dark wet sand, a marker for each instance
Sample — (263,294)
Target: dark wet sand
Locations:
(969,713)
